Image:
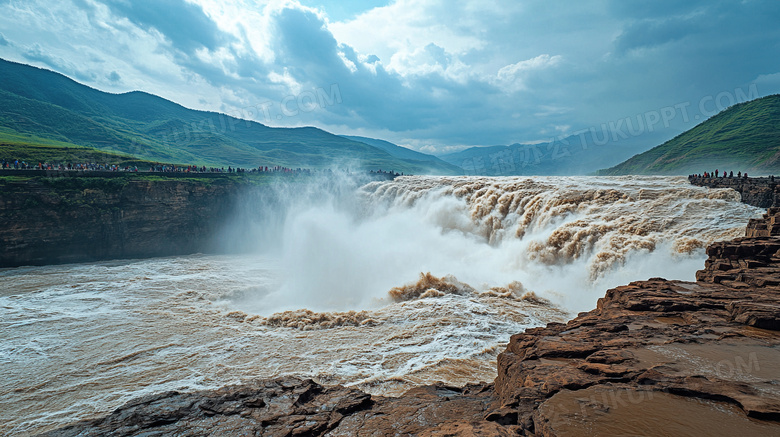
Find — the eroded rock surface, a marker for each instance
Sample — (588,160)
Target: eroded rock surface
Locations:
(295,407)
(692,340)
(767,226)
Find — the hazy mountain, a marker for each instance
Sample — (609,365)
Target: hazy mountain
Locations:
(573,155)
(744,137)
(444,168)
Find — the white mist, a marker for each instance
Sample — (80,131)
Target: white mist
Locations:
(566,239)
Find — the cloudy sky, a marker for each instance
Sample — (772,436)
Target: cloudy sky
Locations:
(435,75)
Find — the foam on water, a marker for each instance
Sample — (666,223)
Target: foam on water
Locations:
(401,283)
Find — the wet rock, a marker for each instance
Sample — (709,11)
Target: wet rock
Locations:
(293,407)
(624,410)
(278,407)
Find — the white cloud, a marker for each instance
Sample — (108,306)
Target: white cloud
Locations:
(286,79)
(399,31)
(348,62)
(512,77)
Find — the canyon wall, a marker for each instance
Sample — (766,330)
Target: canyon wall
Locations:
(47,220)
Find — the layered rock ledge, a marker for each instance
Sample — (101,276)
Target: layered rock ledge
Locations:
(759,192)
(655,357)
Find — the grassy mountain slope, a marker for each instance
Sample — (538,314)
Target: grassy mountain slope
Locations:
(42,104)
(744,137)
(34,150)
(437,166)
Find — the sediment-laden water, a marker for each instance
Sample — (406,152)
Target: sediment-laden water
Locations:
(396,284)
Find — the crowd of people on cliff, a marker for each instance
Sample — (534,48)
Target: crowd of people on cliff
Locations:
(385,173)
(230,169)
(718,174)
(22,165)
(16,164)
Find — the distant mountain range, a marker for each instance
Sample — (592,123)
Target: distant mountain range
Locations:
(574,155)
(744,137)
(438,166)
(41,107)
(47,116)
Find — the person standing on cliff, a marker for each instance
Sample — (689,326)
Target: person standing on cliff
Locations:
(716,172)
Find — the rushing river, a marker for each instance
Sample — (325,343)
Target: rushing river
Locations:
(337,288)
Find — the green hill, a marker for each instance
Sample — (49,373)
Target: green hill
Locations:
(40,107)
(34,150)
(744,137)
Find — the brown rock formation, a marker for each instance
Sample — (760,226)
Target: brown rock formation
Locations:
(699,340)
(768,226)
(651,347)
(294,407)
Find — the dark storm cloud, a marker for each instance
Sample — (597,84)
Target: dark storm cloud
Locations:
(642,9)
(380,98)
(653,33)
(304,43)
(711,47)
(717,24)
(183,23)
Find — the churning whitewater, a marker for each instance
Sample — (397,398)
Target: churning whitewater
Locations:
(383,286)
